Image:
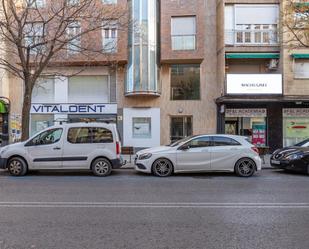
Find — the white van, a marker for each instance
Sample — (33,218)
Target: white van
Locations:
(94,146)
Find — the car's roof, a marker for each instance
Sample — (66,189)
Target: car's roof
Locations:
(223,135)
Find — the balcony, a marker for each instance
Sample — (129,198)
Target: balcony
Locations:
(251,37)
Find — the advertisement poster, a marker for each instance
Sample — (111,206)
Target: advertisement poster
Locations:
(258,134)
(297,128)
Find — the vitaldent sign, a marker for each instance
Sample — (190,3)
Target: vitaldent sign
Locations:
(254,84)
(73,108)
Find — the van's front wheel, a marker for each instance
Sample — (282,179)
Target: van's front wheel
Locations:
(17,166)
(101,167)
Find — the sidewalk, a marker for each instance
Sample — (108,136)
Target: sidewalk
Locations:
(130,165)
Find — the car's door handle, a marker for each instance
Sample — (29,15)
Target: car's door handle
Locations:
(57,148)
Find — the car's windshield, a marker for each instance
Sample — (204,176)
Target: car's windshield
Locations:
(181,141)
(302,143)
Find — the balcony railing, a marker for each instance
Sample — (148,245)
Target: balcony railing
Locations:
(258,37)
(183,42)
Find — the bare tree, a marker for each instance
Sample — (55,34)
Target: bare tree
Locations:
(38,34)
(295,22)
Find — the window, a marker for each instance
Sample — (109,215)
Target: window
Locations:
(301,69)
(34,35)
(183,33)
(88,89)
(101,135)
(35,3)
(109,37)
(47,137)
(79,135)
(256,33)
(200,142)
(73,2)
(74,37)
(224,141)
(141,127)
(40,122)
(185,82)
(181,127)
(109,1)
(82,135)
(43,91)
(301,16)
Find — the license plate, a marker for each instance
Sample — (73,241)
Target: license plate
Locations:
(275,162)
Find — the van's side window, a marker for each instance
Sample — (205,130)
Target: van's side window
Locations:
(102,135)
(46,137)
(83,135)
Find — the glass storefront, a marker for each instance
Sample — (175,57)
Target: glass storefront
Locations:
(295,125)
(247,122)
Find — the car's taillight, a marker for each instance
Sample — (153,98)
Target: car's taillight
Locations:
(255,150)
(117,148)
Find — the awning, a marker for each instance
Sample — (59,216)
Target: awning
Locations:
(3,107)
(252,55)
(300,56)
(301,5)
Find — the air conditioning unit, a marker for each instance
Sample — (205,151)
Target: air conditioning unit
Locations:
(273,64)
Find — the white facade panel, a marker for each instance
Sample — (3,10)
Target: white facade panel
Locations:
(229,24)
(301,69)
(88,89)
(256,14)
(149,131)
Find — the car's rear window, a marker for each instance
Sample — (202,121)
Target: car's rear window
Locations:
(82,135)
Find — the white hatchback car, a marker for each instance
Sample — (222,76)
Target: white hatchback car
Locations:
(201,153)
(94,146)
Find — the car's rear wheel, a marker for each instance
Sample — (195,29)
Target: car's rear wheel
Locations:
(245,167)
(17,166)
(162,167)
(101,167)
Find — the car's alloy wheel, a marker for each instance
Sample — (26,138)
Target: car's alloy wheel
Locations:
(17,166)
(162,167)
(101,167)
(245,167)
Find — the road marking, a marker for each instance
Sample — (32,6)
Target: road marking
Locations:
(151,205)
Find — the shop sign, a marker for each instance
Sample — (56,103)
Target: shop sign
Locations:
(250,112)
(295,112)
(296,127)
(254,84)
(73,108)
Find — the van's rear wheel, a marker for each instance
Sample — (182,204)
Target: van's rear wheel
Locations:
(101,167)
(245,167)
(17,166)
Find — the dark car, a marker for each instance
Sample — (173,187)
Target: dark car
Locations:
(294,158)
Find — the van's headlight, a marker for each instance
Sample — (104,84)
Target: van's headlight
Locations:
(294,157)
(144,156)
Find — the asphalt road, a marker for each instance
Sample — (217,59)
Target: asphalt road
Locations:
(131,210)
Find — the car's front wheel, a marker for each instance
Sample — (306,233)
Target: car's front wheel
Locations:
(101,167)
(162,167)
(245,167)
(17,166)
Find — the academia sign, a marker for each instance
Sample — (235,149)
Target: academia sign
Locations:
(73,108)
(254,84)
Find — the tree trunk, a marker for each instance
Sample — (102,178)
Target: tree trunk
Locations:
(26,112)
